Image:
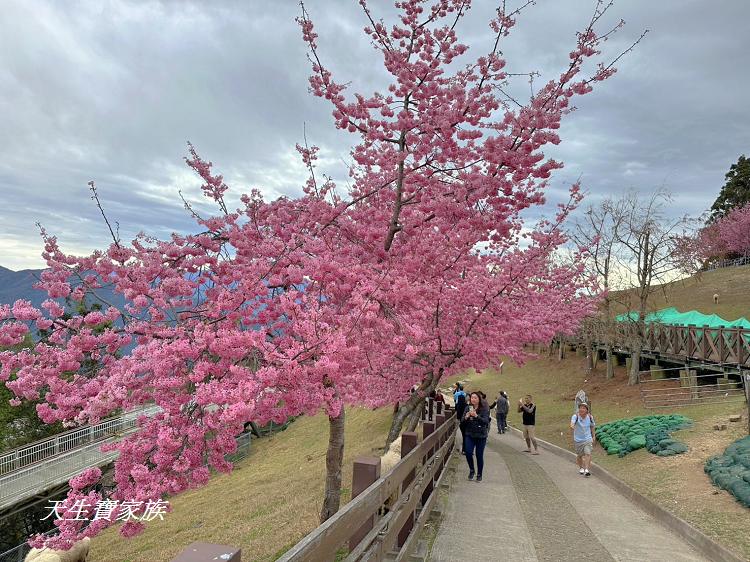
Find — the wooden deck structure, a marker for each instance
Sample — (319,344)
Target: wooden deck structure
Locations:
(717,349)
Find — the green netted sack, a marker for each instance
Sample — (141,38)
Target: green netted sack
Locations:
(730,471)
(621,437)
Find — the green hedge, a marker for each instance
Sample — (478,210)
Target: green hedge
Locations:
(731,471)
(652,432)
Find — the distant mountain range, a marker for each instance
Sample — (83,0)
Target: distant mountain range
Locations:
(16,285)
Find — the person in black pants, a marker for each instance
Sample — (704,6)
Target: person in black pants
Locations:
(476,423)
(460,402)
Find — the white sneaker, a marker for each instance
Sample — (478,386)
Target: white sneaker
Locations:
(587,473)
(581,471)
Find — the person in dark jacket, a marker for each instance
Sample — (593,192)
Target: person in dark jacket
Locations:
(460,401)
(476,422)
(502,404)
(528,410)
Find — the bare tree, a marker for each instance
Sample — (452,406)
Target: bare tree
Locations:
(645,235)
(598,230)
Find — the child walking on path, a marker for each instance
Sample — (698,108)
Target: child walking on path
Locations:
(476,427)
(584,436)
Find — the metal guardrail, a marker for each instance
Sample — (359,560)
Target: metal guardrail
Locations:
(18,553)
(74,439)
(44,468)
(745,260)
(661,388)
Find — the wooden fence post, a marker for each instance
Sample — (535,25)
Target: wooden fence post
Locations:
(408,443)
(428,428)
(439,407)
(439,421)
(366,471)
(431,407)
(201,551)
(738,346)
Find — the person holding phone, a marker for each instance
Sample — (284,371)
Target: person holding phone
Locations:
(476,423)
(528,410)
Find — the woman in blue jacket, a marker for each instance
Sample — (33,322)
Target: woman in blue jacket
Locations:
(476,425)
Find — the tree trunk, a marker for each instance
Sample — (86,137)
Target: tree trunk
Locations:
(414,419)
(610,367)
(334,459)
(561,353)
(407,408)
(589,357)
(635,365)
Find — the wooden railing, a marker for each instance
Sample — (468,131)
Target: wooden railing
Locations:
(723,346)
(377,524)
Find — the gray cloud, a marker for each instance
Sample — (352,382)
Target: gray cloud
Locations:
(111,91)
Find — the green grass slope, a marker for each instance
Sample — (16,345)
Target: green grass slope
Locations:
(266,505)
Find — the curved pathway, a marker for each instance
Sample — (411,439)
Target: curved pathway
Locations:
(538,508)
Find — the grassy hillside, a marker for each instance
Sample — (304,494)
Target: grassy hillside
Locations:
(677,483)
(732,284)
(269,502)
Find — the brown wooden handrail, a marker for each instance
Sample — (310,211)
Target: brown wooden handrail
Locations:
(325,541)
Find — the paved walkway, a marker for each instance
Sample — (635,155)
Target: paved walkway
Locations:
(538,508)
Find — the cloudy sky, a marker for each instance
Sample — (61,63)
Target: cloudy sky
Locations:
(111,91)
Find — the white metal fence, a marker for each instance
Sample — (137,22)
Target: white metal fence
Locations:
(18,554)
(744,260)
(70,440)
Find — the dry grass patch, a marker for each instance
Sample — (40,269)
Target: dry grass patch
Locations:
(269,502)
(696,293)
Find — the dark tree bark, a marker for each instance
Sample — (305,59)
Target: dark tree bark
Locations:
(413,419)
(334,460)
(407,408)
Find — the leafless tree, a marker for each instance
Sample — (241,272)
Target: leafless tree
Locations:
(598,231)
(645,236)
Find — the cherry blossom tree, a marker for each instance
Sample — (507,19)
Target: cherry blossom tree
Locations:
(422,269)
(445,146)
(724,237)
(734,230)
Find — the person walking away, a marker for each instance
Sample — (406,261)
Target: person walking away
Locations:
(501,413)
(528,410)
(477,426)
(457,389)
(584,437)
(460,401)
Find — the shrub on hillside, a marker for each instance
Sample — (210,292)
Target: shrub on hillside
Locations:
(731,470)
(621,437)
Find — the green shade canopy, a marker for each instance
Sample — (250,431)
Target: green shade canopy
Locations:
(674,317)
